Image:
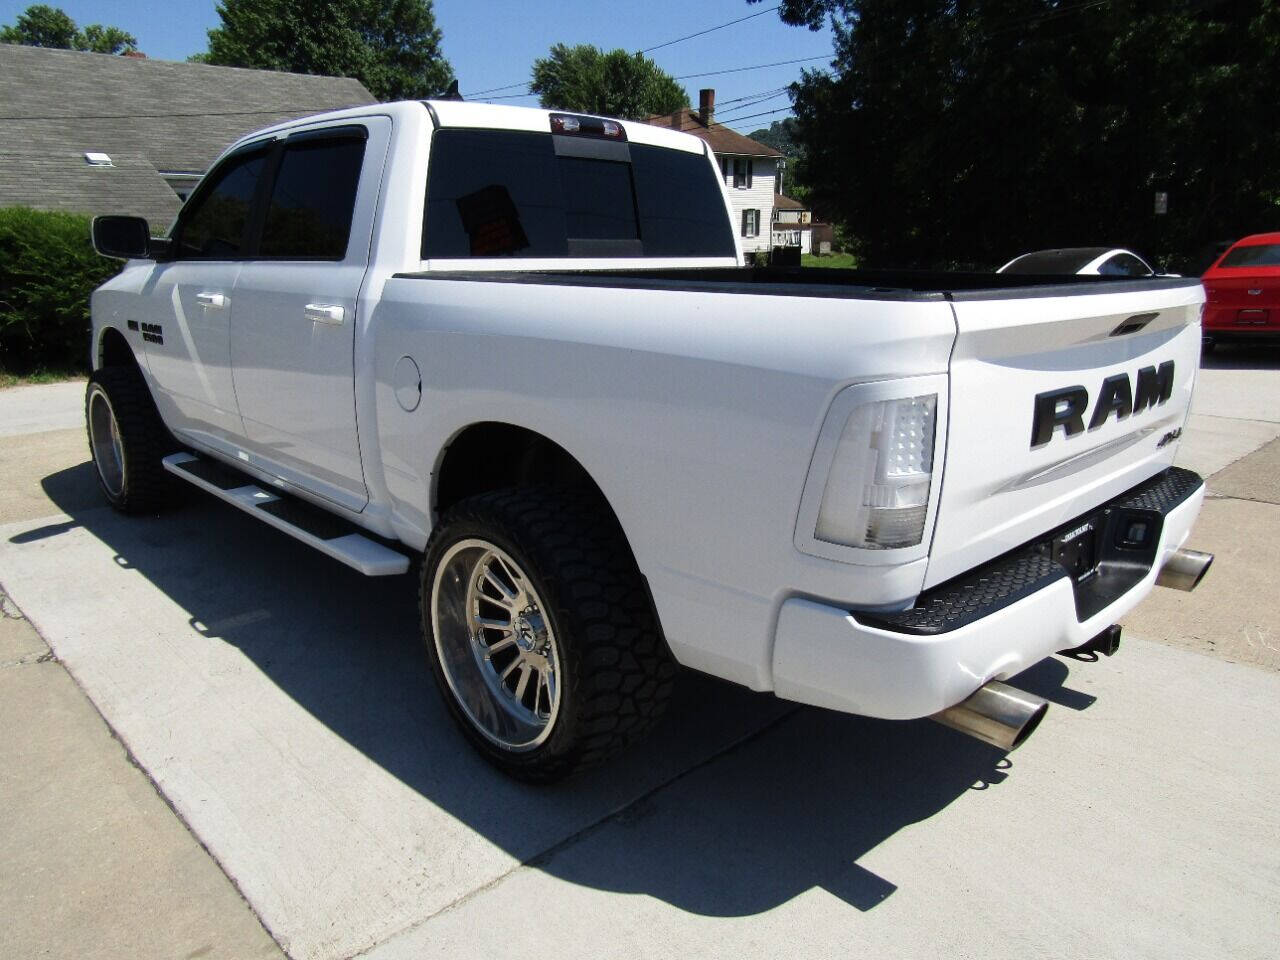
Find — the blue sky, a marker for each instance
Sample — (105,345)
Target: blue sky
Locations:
(493,44)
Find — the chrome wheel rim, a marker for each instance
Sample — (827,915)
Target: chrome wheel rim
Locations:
(108,450)
(496,646)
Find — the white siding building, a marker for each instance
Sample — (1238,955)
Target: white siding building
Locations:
(792,224)
(749,169)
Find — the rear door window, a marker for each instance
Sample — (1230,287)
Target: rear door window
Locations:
(493,193)
(313,197)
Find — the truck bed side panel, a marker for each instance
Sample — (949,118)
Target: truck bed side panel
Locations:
(695,412)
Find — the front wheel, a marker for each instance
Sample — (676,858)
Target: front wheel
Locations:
(540,633)
(127,440)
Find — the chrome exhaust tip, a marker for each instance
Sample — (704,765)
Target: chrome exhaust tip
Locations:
(996,713)
(1184,570)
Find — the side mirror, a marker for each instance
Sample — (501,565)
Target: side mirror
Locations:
(125,238)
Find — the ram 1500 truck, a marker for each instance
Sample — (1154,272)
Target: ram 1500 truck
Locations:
(522,347)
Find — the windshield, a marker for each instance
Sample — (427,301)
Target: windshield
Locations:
(1068,260)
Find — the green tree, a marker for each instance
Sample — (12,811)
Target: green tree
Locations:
(44,26)
(781,135)
(965,133)
(585,79)
(391,46)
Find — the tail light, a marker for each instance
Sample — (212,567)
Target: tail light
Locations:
(877,492)
(872,489)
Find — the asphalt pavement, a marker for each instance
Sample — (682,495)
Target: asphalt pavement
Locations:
(230,747)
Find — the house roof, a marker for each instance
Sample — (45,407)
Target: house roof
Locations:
(721,139)
(179,116)
(64,181)
(783,202)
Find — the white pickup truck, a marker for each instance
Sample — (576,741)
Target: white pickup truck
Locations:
(521,347)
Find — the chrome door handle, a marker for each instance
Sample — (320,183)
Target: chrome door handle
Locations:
(324,312)
(215,300)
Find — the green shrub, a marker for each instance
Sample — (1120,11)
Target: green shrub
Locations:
(48,268)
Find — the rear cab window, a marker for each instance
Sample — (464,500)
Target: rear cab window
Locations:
(525,195)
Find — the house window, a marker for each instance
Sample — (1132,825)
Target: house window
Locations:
(742,173)
(751,223)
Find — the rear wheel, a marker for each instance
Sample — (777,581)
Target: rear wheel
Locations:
(127,440)
(540,632)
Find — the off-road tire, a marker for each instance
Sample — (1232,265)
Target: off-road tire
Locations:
(616,671)
(144,486)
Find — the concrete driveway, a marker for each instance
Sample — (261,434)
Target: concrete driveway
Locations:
(281,706)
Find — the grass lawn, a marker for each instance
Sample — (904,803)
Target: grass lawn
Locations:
(39,376)
(841,261)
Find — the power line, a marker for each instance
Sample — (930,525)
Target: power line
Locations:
(687,76)
(749,104)
(668,43)
(509,86)
(700,33)
(767,113)
(697,125)
(509,96)
(759,66)
(762,95)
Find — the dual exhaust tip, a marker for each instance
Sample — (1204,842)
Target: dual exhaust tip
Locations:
(1184,570)
(997,714)
(1004,716)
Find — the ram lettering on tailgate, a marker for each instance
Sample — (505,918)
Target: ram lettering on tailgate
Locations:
(1066,407)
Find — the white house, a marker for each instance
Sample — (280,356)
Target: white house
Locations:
(792,224)
(750,169)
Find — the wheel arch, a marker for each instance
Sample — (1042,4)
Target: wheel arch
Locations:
(113,350)
(490,455)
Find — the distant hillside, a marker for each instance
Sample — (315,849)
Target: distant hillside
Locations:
(780,136)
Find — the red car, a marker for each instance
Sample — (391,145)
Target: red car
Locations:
(1242,290)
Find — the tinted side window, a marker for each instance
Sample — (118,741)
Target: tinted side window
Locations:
(213,227)
(312,199)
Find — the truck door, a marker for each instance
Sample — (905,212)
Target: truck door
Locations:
(294,324)
(186,314)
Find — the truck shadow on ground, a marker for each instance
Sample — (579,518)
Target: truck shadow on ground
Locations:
(771,800)
(1260,355)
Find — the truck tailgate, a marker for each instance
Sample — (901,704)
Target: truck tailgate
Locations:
(1058,403)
